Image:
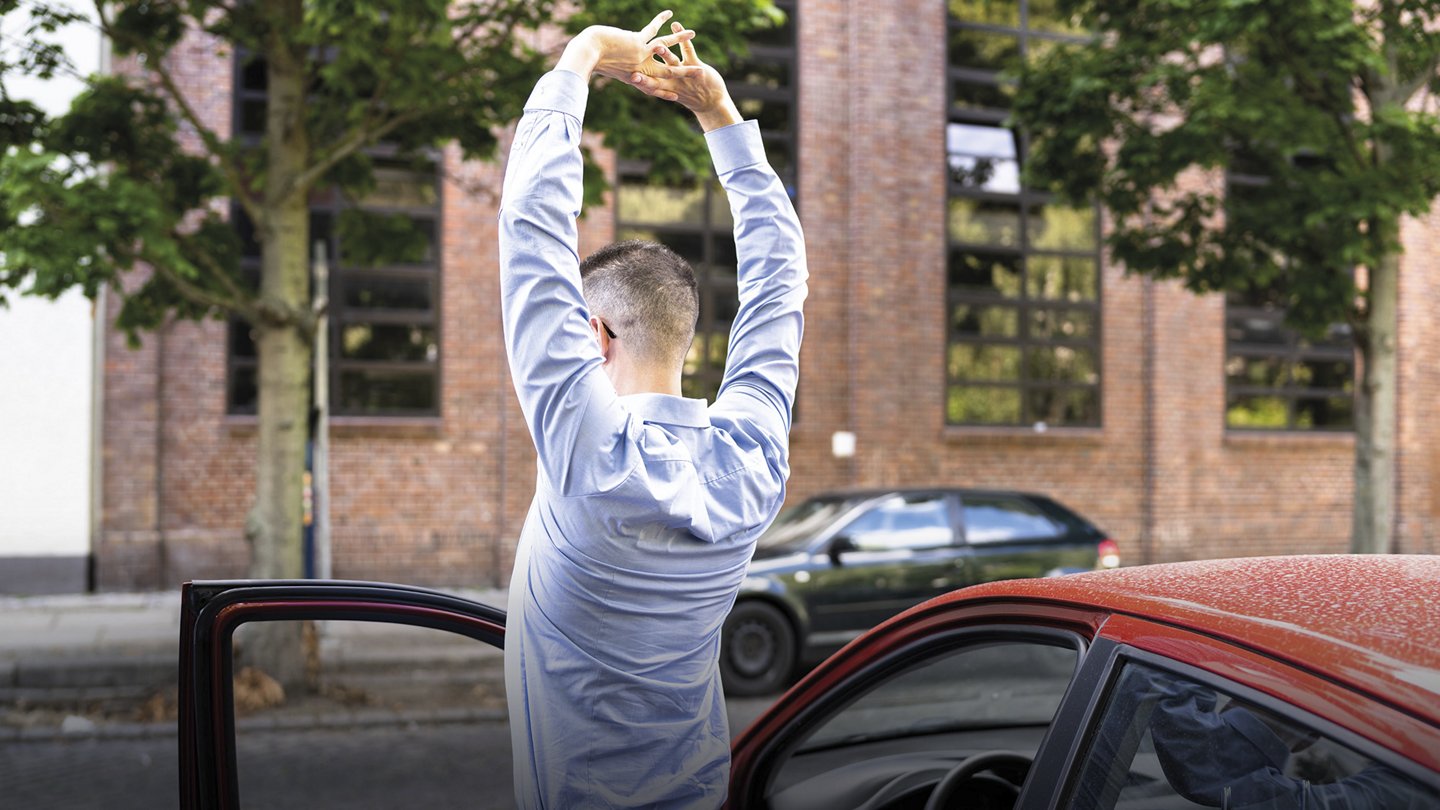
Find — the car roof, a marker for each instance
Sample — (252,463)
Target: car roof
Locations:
(1369,621)
(876,492)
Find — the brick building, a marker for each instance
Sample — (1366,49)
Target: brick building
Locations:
(965,331)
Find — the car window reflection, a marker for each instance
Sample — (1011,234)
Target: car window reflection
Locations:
(798,525)
(1167,741)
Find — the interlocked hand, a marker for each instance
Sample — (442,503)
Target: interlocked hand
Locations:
(621,54)
(691,82)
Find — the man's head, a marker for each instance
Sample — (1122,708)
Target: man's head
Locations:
(646,294)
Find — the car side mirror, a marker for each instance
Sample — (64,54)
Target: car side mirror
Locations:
(840,545)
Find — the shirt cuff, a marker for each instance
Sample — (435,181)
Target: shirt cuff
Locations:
(560,91)
(736,146)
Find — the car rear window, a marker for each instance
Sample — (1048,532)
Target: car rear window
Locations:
(997,519)
(796,526)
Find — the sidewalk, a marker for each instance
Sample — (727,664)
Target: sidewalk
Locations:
(92,664)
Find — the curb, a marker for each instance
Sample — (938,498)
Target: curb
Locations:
(362,719)
(93,671)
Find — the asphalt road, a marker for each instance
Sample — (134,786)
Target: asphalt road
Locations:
(440,765)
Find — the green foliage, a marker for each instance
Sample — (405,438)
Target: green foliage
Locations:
(632,123)
(120,181)
(1300,102)
(37,55)
(374,240)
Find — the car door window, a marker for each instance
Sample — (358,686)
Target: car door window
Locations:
(903,522)
(1166,741)
(997,519)
(391,715)
(889,746)
(400,663)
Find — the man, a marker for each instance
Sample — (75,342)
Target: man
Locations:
(647,504)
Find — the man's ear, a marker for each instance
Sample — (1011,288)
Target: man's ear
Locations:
(601,337)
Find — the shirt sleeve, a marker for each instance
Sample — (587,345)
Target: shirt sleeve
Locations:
(762,366)
(570,406)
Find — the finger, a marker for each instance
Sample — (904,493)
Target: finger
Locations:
(669,57)
(653,28)
(655,70)
(671,40)
(687,48)
(652,87)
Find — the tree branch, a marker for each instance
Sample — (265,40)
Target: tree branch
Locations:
(369,132)
(257,310)
(198,295)
(240,296)
(358,139)
(156,63)
(1408,88)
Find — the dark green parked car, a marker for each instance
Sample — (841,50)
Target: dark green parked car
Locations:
(838,564)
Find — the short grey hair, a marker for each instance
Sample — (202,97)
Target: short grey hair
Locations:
(646,293)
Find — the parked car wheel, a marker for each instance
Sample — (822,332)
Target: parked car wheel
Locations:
(757,650)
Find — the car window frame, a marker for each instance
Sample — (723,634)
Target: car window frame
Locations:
(782,745)
(1109,658)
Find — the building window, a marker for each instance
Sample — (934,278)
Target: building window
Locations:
(695,221)
(384,293)
(1275,377)
(1023,288)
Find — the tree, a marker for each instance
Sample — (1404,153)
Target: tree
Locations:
(1329,104)
(88,197)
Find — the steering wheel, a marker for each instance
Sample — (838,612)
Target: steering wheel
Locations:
(978,763)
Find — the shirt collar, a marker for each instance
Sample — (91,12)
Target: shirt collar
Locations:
(667,409)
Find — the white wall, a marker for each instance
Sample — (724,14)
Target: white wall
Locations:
(45,388)
(46,369)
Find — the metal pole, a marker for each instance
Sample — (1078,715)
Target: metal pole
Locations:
(320,475)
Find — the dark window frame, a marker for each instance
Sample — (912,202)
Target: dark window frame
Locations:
(343,277)
(1028,204)
(704,381)
(1291,350)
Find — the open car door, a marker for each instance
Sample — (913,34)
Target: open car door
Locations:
(212,611)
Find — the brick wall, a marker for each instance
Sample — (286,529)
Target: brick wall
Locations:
(1418,526)
(441,501)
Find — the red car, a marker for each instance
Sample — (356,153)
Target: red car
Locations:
(1299,682)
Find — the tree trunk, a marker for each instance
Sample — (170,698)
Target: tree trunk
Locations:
(275,523)
(1375,413)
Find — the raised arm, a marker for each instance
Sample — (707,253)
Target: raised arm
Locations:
(762,364)
(569,404)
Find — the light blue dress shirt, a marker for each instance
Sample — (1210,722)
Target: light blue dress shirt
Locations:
(646,506)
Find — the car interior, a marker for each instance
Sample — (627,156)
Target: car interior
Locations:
(959,725)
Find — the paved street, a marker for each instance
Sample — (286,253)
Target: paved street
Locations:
(433,765)
(410,716)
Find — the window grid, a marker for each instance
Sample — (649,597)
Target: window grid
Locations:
(1265,385)
(764,88)
(384,324)
(1267,364)
(1018,351)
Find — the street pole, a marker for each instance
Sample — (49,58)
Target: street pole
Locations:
(320,474)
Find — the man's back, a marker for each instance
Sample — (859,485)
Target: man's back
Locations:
(647,505)
(633,605)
